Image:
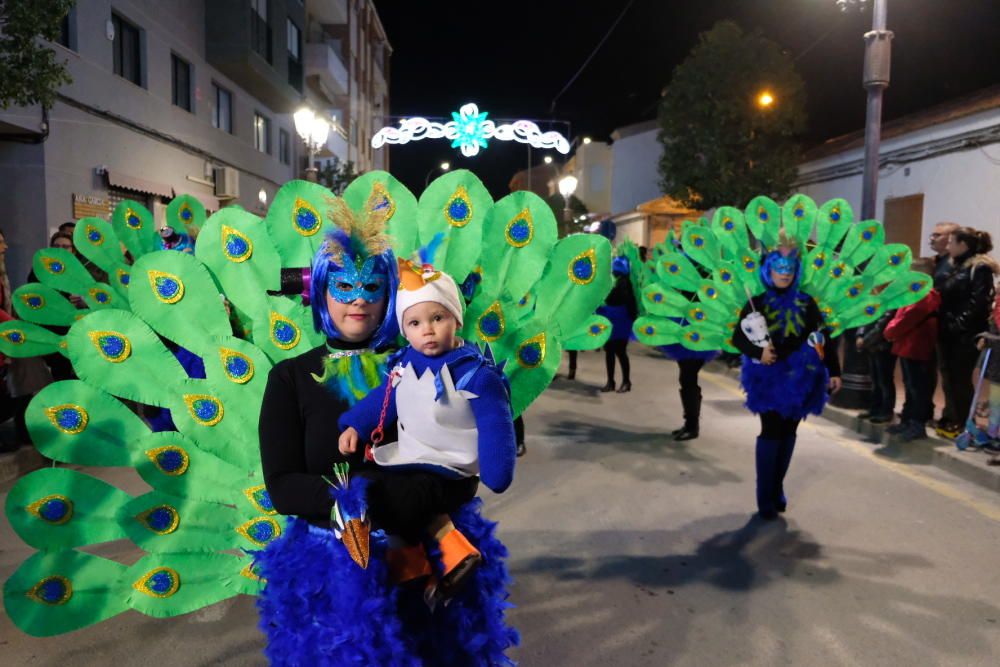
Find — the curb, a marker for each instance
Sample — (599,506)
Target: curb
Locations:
(971,466)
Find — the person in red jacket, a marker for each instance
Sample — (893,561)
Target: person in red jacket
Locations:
(913,332)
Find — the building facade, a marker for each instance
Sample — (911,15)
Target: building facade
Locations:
(940,164)
(186,97)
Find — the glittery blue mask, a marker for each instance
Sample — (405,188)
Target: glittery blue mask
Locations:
(349,284)
(785,266)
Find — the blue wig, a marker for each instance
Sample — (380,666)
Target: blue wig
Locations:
(620,266)
(324,263)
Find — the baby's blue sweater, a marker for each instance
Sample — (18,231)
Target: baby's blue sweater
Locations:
(471,372)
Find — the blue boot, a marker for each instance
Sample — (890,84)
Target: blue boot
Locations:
(784,458)
(767,456)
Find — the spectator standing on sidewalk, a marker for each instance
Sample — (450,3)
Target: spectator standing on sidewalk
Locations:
(967,294)
(913,333)
(882,366)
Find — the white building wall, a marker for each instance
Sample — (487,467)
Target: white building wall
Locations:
(635,170)
(962,186)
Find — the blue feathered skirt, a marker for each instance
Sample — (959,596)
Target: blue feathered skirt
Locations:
(319,608)
(793,387)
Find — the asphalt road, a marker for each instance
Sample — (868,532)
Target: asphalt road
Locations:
(629,549)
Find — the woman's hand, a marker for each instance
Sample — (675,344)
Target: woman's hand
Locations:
(835,384)
(769,356)
(348,443)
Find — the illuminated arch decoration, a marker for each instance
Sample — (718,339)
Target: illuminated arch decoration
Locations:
(470,131)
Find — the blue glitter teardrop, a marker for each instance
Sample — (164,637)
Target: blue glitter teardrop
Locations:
(458,209)
(160,519)
(490,324)
(583,268)
(531,354)
(283,332)
(161,582)
(306,219)
(167,287)
(52,590)
(54,510)
(206,409)
(170,460)
(69,419)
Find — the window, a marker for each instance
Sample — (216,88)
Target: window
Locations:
(67,28)
(284,147)
(260,29)
(294,56)
(181,82)
(128,59)
(261,133)
(222,115)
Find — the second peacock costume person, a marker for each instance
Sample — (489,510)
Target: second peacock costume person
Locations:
(781,282)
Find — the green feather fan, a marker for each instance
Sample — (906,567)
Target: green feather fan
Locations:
(696,296)
(208,501)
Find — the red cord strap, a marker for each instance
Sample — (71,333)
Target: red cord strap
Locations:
(378,434)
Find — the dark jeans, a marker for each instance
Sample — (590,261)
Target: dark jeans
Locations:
(572,359)
(883,370)
(957,360)
(917,378)
(617,348)
(775,427)
(403,502)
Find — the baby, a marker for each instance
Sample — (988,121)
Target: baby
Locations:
(452,408)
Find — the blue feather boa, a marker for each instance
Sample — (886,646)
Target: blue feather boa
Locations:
(319,608)
(793,387)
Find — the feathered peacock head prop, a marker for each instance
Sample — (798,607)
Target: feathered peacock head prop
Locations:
(354,263)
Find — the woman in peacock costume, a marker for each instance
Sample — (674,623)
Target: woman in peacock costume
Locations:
(209,526)
(783,281)
(689,362)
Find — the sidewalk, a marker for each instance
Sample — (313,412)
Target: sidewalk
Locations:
(973,466)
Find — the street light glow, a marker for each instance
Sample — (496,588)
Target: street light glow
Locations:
(586,140)
(765,99)
(548,159)
(445,166)
(567,186)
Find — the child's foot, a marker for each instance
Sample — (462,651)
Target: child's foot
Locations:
(459,560)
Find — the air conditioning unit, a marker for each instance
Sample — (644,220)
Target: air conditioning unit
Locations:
(227,183)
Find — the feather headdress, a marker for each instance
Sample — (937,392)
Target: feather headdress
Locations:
(356,236)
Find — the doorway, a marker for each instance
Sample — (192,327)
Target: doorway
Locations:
(903,223)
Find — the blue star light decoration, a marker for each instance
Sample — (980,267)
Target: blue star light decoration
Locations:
(473,129)
(470,131)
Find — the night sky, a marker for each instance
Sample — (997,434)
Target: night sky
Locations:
(514,63)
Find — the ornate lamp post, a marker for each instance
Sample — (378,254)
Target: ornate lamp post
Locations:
(314,131)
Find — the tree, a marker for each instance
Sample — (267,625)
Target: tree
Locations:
(337,175)
(29,72)
(721,145)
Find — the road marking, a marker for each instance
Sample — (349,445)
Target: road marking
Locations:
(988,510)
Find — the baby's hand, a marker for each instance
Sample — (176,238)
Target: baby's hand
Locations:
(348,441)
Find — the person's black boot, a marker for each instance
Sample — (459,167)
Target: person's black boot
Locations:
(572,373)
(610,386)
(625,388)
(691,400)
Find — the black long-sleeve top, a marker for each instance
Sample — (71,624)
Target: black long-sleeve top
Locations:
(786,343)
(298,435)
